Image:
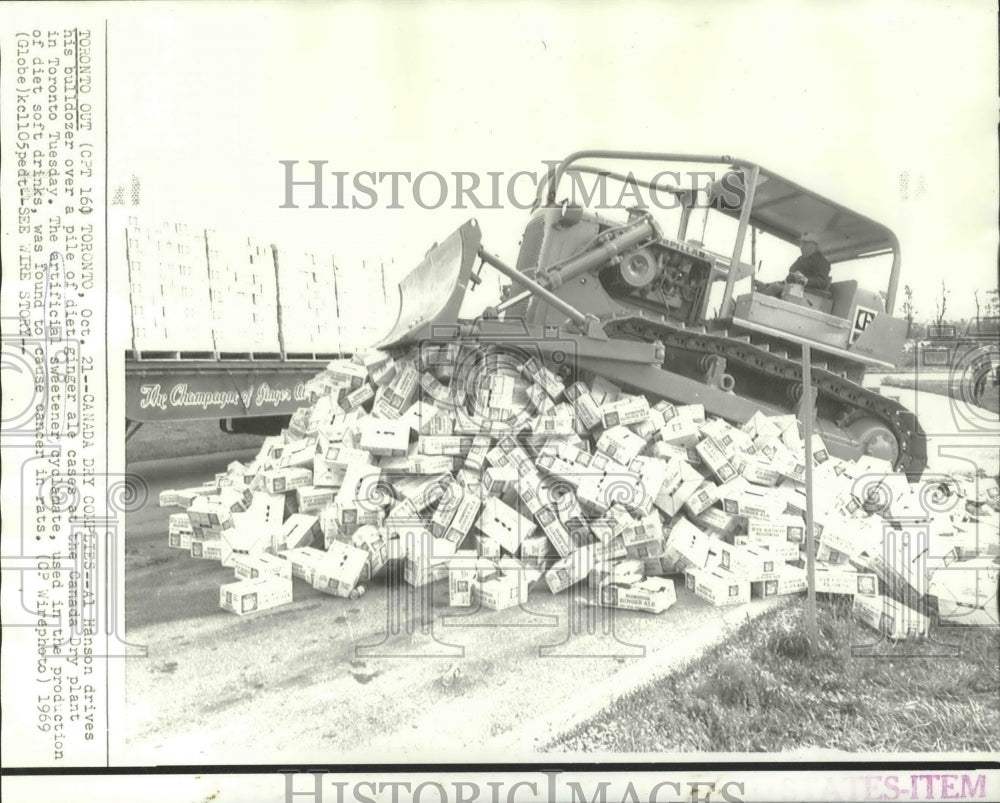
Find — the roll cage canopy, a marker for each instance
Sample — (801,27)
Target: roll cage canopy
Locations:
(759,198)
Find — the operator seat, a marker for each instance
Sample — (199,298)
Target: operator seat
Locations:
(843,295)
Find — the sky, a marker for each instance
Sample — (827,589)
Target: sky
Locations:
(847,99)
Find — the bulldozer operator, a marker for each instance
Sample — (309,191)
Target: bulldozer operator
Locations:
(811,269)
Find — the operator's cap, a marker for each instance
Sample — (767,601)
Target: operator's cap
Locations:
(808,237)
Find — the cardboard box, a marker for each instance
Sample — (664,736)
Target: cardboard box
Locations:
(672,501)
(399,394)
(340,570)
(465,516)
(347,373)
(787,580)
(437,422)
(451,498)
(168,498)
(536,552)
(432,388)
(206,548)
(570,570)
(656,476)
(208,517)
(303,561)
(497,480)
(695,413)
(475,459)
(418,415)
(598,491)
(890,617)
(554,423)
(243,539)
(249,567)
(299,530)
(555,531)
(298,454)
(179,531)
(714,458)
(956,613)
(374,541)
(762,426)
(642,531)
(620,444)
(451,445)
(384,437)
(646,550)
(462,576)
(832,579)
(538,373)
(258,594)
(844,539)
(426,558)
(380,367)
(747,563)
(604,390)
(585,408)
(282,480)
(421,491)
(900,564)
(791,465)
(702,499)
(342,456)
(687,546)
(717,587)
(966,585)
(739,497)
(359,500)
(620,572)
(487,547)
(504,524)
(757,469)
(501,591)
(624,411)
(791,529)
(613,522)
(325,474)
(614,550)
(311,500)
(653,595)
(781,549)
(723,523)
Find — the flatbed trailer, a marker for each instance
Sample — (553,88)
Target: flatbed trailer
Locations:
(256,394)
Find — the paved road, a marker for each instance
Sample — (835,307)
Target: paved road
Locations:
(324,678)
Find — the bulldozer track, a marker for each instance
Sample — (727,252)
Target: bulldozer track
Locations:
(777,364)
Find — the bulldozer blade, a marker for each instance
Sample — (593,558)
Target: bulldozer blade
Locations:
(432,293)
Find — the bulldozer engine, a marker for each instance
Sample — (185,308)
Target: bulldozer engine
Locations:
(669,279)
(643,312)
(562,250)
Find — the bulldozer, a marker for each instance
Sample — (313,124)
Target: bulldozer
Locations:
(666,317)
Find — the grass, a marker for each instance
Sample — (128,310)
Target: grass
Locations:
(762,690)
(942,385)
(183,439)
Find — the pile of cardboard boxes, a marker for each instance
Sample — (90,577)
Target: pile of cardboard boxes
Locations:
(501,480)
(193,289)
(169,292)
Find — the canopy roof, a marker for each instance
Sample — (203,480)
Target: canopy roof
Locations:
(787,210)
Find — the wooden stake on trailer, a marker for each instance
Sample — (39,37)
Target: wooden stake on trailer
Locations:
(806,413)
